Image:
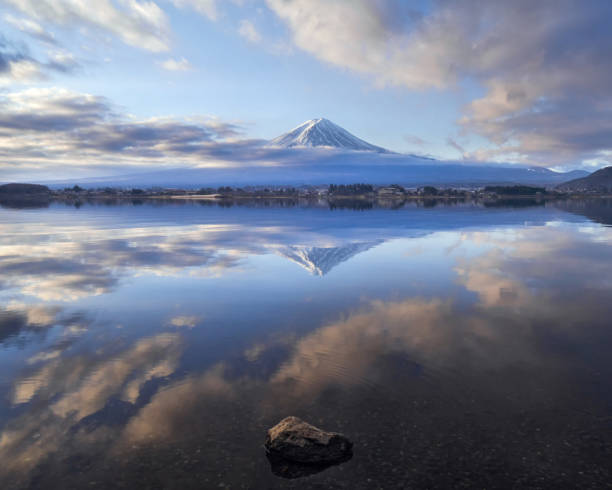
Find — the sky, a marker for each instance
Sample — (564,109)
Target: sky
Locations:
(96,87)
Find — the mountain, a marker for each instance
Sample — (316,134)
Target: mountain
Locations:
(320,260)
(323,132)
(573,174)
(310,167)
(599,181)
(302,157)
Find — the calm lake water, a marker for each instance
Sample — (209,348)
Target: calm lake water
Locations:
(151,345)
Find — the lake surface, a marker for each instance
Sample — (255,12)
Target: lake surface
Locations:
(151,345)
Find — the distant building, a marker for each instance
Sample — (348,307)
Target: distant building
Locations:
(391,191)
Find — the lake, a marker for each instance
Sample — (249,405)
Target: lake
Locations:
(152,344)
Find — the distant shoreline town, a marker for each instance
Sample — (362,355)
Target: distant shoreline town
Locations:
(599,183)
(354,195)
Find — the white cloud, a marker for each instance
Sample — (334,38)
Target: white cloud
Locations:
(19,71)
(17,66)
(41,125)
(543,66)
(204,7)
(172,64)
(248,31)
(359,35)
(137,23)
(30,27)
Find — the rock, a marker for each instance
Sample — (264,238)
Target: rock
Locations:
(296,440)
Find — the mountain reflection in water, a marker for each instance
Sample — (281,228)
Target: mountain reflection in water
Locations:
(152,346)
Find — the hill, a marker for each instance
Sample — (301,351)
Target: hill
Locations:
(23,189)
(597,182)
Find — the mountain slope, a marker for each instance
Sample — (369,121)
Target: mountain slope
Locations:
(599,181)
(323,132)
(336,168)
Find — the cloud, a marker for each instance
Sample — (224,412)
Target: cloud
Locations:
(415,140)
(207,8)
(543,68)
(248,31)
(452,143)
(360,35)
(52,124)
(19,70)
(31,28)
(62,61)
(45,127)
(172,64)
(137,23)
(17,66)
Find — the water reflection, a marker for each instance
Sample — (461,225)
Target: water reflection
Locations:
(292,470)
(321,260)
(469,351)
(67,260)
(598,210)
(18,320)
(24,202)
(22,323)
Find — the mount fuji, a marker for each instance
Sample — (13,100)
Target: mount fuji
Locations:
(323,132)
(302,156)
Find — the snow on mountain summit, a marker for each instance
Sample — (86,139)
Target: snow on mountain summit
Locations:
(323,132)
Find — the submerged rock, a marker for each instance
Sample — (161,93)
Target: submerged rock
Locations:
(295,440)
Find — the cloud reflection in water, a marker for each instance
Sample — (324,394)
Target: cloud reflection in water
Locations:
(512,339)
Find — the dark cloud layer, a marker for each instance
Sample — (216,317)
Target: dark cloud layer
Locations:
(7,58)
(17,65)
(40,125)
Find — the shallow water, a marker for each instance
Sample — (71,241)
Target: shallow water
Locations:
(151,345)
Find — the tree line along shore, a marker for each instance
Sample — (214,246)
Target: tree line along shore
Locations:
(331,192)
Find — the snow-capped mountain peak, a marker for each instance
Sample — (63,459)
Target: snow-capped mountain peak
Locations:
(323,132)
